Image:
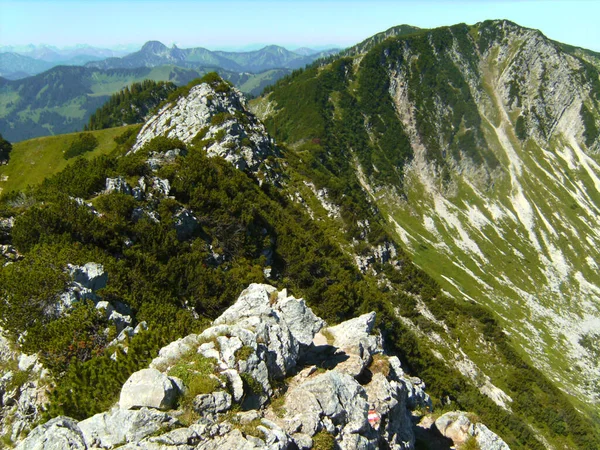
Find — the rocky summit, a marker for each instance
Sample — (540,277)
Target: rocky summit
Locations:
(267,374)
(214,116)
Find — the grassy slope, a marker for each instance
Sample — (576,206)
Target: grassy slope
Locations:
(33,160)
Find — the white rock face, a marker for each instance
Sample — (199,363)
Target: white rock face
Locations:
(60,433)
(116,427)
(117,185)
(457,426)
(149,388)
(228,128)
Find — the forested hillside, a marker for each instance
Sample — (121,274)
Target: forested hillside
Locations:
(130,105)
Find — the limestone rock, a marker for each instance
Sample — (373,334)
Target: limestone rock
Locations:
(263,336)
(215,402)
(334,395)
(150,388)
(118,426)
(158,159)
(354,338)
(117,185)
(60,433)
(302,322)
(169,354)
(236,134)
(457,425)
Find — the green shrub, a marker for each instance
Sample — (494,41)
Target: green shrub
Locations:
(220,118)
(84,142)
(323,441)
(251,385)
(244,353)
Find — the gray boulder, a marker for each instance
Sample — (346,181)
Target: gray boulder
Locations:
(333,395)
(215,402)
(60,433)
(117,185)
(186,224)
(302,322)
(354,339)
(118,426)
(459,427)
(150,388)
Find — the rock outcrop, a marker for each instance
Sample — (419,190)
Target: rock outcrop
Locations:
(459,427)
(214,116)
(294,382)
(150,388)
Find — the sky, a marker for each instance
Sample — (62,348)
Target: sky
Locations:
(238,24)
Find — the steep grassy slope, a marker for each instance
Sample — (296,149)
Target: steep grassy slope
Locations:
(33,160)
(62,99)
(478,146)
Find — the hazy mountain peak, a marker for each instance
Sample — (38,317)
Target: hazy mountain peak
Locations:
(154,47)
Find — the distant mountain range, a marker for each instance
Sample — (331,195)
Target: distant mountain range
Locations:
(24,61)
(18,62)
(60,99)
(155,53)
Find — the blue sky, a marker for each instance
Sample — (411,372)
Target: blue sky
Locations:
(227,24)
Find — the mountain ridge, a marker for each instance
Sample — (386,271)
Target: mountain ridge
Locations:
(412,148)
(156,53)
(445,149)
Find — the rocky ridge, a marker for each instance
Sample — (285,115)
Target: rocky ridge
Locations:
(280,379)
(214,116)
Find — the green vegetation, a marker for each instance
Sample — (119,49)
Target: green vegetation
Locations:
(323,441)
(5,149)
(32,161)
(244,353)
(470,444)
(251,386)
(196,372)
(130,105)
(340,112)
(83,143)
(591,132)
(521,128)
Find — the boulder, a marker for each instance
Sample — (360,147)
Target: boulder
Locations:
(117,185)
(255,309)
(150,388)
(118,426)
(186,224)
(215,402)
(60,433)
(460,427)
(302,322)
(353,338)
(334,395)
(161,186)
